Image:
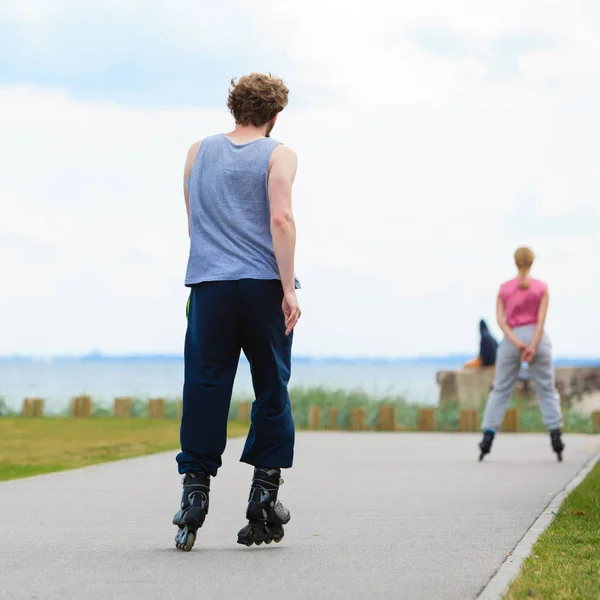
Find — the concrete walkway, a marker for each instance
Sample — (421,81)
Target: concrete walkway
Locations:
(374,516)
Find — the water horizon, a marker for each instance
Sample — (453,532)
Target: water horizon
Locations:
(451,359)
(60,378)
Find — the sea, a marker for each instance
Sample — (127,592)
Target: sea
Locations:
(58,380)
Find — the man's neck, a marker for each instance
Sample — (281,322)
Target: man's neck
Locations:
(243,134)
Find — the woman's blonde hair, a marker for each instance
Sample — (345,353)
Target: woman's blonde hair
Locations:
(524,258)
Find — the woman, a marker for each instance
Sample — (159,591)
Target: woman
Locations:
(521,310)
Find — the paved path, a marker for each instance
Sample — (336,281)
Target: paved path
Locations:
(374,516)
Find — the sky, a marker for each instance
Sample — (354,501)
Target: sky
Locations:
(433,138)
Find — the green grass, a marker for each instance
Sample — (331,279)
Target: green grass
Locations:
(446,418)
(565,562)
(35,446)
(345,401)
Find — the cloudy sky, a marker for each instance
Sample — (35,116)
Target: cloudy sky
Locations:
(434,137)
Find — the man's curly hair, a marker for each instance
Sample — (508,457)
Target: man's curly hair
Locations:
(255,99)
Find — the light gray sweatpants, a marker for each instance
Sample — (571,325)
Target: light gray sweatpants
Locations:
(508,366)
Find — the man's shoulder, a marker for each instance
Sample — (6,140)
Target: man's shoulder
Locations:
(191,157)
(193,149)
(284,154)
(205,141)
(282,150)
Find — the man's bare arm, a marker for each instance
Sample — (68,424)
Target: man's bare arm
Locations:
(283,227)
(189,164)
(282,173)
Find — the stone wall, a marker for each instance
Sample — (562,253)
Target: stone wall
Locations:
(579,387)
(469,386)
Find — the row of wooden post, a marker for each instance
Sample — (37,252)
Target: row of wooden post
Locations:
(469,419)
(82,407)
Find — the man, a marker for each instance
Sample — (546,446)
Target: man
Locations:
(488,347)
(238,194)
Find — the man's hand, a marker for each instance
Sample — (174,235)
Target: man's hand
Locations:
(291,310)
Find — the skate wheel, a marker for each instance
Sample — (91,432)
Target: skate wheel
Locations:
(244,542)
(268,542)
(559,456)
(259,543)
(185,539)
(277,541)
(189,544)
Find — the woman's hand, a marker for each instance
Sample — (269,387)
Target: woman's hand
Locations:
(516,342)
(528,354)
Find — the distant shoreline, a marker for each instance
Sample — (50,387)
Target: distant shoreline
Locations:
(451,360)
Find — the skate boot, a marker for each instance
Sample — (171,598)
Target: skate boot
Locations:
(486,443)
(265,513)
(557,443)
(194,508)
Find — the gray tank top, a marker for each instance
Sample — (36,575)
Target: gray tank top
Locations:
(230,218)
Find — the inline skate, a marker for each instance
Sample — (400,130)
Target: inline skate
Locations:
(193,511)
(485,446)
(557,443)
(265,513)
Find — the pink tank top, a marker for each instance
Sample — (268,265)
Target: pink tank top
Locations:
(522,305)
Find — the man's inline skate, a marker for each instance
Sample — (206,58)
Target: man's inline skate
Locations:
(194,508)
(265,513)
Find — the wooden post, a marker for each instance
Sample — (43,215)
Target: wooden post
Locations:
(27,410)
(387,418)
(561,388)
(38,407)
(314,417)
(243,413)
(511,420)
(475,420)
(82,407)
(122,408)
(464,420)
(156,408)
(357,419)
(596,421)
(469,419)
(333,417)
(426,419)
